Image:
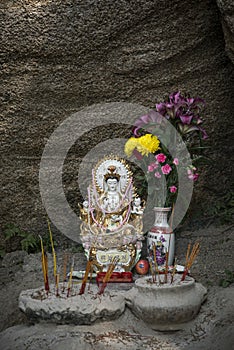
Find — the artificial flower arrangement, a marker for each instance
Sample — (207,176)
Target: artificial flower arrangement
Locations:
(184,114)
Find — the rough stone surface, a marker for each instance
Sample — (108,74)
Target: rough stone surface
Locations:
(76,309)
(167,306)
(215,256)
(14,258)
(151,303)
(211,330)
(226,8)
(60,56)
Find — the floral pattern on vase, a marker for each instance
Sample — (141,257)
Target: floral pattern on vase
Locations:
(162,236)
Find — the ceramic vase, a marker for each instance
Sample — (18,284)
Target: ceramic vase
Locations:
(162,236)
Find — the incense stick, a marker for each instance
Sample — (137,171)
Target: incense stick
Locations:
(166,267)
(47,287)
(190,259)
(53,251)
(57,282)
(90,276)
(70,279)
(169,244)
(44,266)
(155,262)
(174,270)
(86,275)
(107,276)
(64,270)
(151,270)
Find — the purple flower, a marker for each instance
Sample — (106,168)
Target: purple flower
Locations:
(151,117)
(186,110)
(186,119)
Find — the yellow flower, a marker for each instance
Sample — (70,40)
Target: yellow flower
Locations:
(130,145)
(145,144)
(148,144)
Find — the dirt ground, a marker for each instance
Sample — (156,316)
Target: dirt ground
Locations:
(211,330)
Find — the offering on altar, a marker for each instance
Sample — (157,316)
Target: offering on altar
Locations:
(112,217)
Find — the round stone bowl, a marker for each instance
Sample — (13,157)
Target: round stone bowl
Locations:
(166,306)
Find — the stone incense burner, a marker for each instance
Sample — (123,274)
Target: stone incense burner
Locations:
(166,306)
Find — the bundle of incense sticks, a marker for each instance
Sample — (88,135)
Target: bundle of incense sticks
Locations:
(190,258)
(44,267)
(86,275)
(108,274)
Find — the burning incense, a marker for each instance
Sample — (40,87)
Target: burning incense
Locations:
(44,267)
(70,279)
(57,283)
(47,288)
(108,274)
(86,275)
(190,259)
(53,251)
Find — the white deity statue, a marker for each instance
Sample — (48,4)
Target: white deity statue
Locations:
(112,215)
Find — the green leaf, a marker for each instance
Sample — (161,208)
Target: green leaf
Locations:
(224,283)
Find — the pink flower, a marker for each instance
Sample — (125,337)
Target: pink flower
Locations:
(191,175)
(152,166)
(176,161)
(157,174)
(166,169)
(161,157)
(173,189)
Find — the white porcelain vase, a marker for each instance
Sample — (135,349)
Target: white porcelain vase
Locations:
(162,236)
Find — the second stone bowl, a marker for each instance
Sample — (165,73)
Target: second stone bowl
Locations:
(166,306)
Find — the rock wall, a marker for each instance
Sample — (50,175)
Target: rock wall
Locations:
(60,56)
(226,8)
